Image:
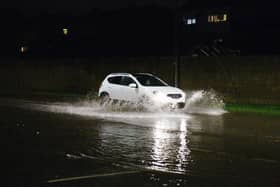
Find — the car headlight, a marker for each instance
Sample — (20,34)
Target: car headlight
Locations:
(159,97)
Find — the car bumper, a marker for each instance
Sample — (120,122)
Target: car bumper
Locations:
(179,105)
(170,103)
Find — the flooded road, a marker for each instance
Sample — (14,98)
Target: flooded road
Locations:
(83,144)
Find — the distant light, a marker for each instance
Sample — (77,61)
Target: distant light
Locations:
(23,49)
(65,31)
(193,21)
(225,17)
(217,18)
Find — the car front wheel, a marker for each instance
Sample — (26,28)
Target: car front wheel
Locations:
(104,98)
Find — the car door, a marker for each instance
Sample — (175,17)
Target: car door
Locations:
(114,87)
(127,93)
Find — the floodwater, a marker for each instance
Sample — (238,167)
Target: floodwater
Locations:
(83,144)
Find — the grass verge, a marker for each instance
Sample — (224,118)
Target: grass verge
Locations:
(251,108)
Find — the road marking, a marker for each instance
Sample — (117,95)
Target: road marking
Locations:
(91,176)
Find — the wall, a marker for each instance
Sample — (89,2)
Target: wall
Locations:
(237,79)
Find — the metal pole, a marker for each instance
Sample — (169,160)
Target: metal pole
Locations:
(176,47)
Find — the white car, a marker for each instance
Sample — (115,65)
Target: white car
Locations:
(140,87)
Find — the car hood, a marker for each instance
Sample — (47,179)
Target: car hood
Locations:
(164,89)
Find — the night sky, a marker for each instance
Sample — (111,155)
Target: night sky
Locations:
(254,25)
(77,6)
(84,6)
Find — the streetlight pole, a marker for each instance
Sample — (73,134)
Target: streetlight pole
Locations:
(176,54)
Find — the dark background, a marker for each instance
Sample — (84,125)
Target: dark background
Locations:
(134,28)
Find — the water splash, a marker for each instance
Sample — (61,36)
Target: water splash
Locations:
(198,102)
(204,102)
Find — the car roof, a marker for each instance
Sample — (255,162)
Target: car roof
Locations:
(132,74)
(119,74)
(142,74)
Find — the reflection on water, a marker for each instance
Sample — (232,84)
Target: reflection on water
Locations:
(159,143)
(162,142)
(153,140)
(184,151)
(165,154)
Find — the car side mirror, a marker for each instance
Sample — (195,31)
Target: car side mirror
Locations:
(132,85)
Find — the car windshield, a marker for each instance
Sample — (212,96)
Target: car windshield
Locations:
(149,80)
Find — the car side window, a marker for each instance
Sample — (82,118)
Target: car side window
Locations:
(115,80)
(127,80)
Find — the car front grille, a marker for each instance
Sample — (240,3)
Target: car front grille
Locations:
(174,96)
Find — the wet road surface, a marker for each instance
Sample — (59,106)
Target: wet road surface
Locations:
(64,144)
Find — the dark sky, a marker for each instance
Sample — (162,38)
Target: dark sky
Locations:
(87,5)
(33,6)
(83,6)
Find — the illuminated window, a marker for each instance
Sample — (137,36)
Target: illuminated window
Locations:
(23,49)
(193,21)
(189,21)
(225,17)
(65,31)
(217,18)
